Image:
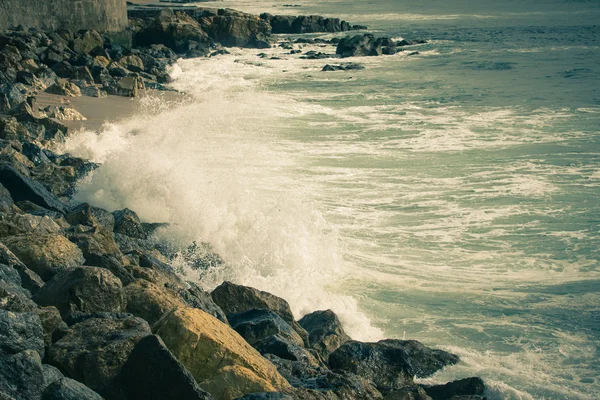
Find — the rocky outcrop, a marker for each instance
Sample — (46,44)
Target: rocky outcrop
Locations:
(218,358)
(307,24)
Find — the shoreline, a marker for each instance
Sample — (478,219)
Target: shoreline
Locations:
(85,273)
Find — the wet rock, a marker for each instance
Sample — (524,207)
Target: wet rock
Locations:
(21,375)
(343,67)
(62,69)
(388,367)
(297,373)
(425,361)
(149,301)
(287,350)
(15,299)
(257,324)
(128,223)
(177,31)
(64,113)
(11,129)
(94,351)
(218,358)
(305,24)
(132,63)
(46,255)
(153,373)
(345,386)
(24,188)
(464,387)
(6,200)
(126,86)
(81,73)
(325,331)
(236,29)
(266,396)
(64,89)
(85,289)
(51,375)
(408,393)
(19,332)
(69,389)
(235,299)
(359,45)
(196,297)
(87,215)
(51,322)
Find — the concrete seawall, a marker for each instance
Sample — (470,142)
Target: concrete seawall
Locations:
(101,15)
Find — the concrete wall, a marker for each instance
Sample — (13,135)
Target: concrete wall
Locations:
(101,15)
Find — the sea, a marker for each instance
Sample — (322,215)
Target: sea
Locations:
(450,196)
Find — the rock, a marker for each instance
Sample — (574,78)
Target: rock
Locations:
(6,200)
(287,350)
(81,73)
(28,224)
(19,332)
(298,373)
(64,113)
(346,386)
(177,31)
(153,373)
(21,375)
(85,289)
(15,299)
(45,254)
(235,29)
(218,358)
(94,351)
(464,387)
(13,96)
(408,393)
(24,188)
(62,69)
(85,214)
(425,361)
(51,375)
(267,396)
(343,67)
(305,24)
(46,77)
(87,41)
(64,89)
(325,332)
(132,63)
(127,223)
(127,86)
(235,299)
(196,297)
(116,69)
(11,129)
(359,45)
(257,324)
(69,389)
(149,301)
(388,367)
(51,322)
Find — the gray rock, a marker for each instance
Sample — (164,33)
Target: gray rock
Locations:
(127,223)
(69,389)
(235,299)
(87,41)
(84,289)
(67,88)
(425,361)
(196,297)
(153,373)
(51,375)
(464,387)
(51,322)
(21,375)
(388,367)
(19,332)
(24,188)
(257,324)
(325,332)
(85,214)
(408,393)
(285,349)
(94,351)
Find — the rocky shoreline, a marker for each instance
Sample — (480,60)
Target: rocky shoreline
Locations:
(91,306)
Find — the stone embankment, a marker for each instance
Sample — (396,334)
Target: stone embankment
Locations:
(90,305)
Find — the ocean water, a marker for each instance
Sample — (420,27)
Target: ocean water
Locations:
(450,197)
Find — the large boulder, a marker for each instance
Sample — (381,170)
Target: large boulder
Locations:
(285,349)
(258,324)
(84,289)
(21,375)
(93,351)
(388,367)
(69,389)
(128,223)
(408,393)
(86,41)
(218,358)
(153,373)
(365,45)
(235,29)
(325,332)
(235,299)
(20,331)
(197,297)
(24,188)
(149,301)
(177,31)
(464,387)
(87,215)
(46,255)
(51,322)
(425,361)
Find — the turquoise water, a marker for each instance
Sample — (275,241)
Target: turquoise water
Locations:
(451,197)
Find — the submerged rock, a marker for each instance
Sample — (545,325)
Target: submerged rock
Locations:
(343,67)
(464,387)
(218,358)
